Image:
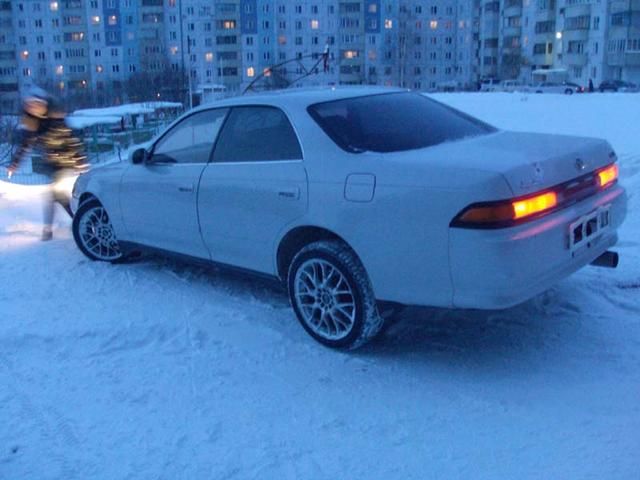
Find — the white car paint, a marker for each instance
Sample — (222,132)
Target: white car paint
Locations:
(393,209)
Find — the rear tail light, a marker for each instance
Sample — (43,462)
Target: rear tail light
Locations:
(531,206)
(505,213)
(510,212)
(607,176)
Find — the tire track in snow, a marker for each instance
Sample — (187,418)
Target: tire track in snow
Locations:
(54,427)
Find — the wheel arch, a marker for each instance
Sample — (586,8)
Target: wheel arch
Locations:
(86,196)
(296,239)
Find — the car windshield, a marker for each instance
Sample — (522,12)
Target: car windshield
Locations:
(393,122)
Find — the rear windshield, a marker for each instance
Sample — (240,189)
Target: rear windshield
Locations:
(393,122)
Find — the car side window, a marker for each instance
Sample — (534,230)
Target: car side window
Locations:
(257,134)
(191,140)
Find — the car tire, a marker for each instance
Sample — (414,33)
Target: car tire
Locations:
(332,296)
(93,233)
(568,91)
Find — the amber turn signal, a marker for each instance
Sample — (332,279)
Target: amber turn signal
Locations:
(608,175)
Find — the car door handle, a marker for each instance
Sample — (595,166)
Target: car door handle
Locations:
(292,193)
(186,188)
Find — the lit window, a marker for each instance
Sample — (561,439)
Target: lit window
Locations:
(314,24)
(282,39)
(229,24)
(173,50)
(266,72)
(59,70)
(208,57)
(99,69)
(433,24)
(25,54)
(388,24)
(95,19)
(350,53)
(113,20)
(53,6)
(250,72)
(61,85)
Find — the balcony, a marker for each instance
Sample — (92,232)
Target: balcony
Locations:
(618,6)
(570,35)
(616,59)
(577,10)
(545,16)
(575,59)
(632,59)
(542,59)
(512,31)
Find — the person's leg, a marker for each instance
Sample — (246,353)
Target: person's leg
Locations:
(48,213)
(62,199)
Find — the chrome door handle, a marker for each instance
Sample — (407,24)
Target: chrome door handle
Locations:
(293,193)
(186,188)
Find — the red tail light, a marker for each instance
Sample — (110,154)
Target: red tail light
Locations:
(510,212)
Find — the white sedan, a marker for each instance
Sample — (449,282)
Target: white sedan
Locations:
(563,87)
(359,200)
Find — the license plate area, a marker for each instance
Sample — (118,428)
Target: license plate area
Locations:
(585,232)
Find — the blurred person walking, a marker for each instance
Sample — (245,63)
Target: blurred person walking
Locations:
(43,128)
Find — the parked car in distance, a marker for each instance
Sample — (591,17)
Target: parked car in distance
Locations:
(359,200)
(514,86)
(568,88)
(489,85)
(618,86)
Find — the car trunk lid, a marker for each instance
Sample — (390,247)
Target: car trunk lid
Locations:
(532,162)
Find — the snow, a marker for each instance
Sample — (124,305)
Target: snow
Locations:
(159,369)
(127,109)
(79,121)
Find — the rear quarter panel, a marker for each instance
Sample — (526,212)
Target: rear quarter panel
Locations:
(402,235)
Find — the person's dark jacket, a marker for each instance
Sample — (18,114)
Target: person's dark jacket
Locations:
(61,149)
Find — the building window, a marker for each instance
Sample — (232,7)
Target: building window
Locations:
(251,72)
(388,24)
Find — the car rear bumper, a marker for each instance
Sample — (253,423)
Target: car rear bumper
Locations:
(503,267)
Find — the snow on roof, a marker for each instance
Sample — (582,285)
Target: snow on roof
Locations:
(127,109)
(78,121)
(542,71)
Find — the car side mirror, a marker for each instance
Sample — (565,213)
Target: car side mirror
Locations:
(139,156)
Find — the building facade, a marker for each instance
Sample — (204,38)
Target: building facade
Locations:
(110,51)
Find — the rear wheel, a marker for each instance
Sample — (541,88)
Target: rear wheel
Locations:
(332,296)
(94,234)
(568,91)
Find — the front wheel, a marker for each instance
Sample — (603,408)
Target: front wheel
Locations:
(332,296)
(94,234)
(568,91)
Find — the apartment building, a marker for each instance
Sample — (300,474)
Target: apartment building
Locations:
(106,49)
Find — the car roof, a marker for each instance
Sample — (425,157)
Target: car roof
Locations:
(301,97)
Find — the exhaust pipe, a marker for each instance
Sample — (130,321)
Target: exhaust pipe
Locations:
(608,259)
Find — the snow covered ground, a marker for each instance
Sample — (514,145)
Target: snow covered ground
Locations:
(161,370)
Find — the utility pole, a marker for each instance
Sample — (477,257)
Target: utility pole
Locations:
(182,52)
(189,74)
